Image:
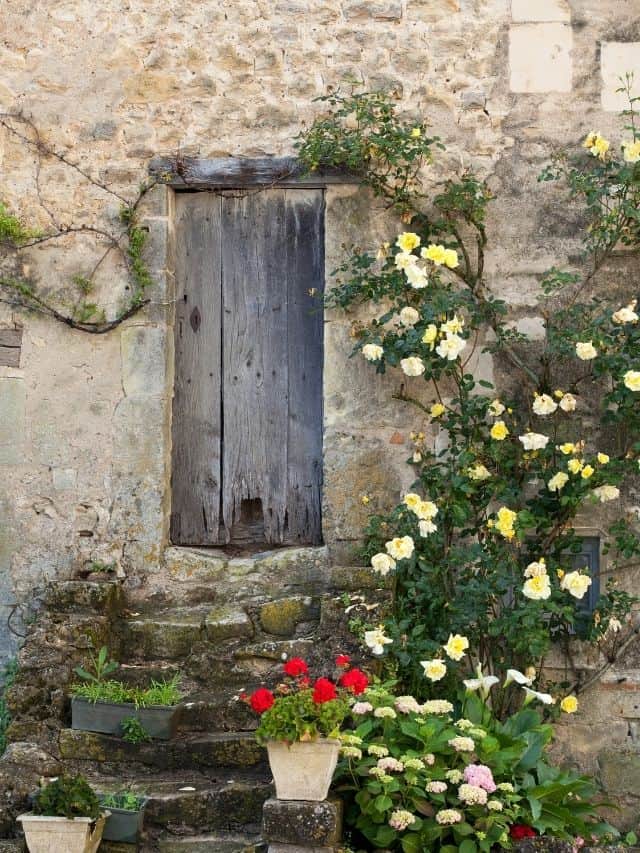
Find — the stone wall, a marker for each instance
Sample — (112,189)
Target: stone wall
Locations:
(84,420)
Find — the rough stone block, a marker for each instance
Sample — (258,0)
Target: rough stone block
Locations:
(302,823)
(143,360)
(282,617)
(523,11)
(618,58)
(382,11)
(12,420)
(540,57)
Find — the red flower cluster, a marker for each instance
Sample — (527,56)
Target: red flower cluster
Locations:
(521,830)
(296,667)
(354,680)
(324,691)
(343,661)
(261,700)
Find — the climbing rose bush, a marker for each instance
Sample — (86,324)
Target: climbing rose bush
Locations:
(485,544)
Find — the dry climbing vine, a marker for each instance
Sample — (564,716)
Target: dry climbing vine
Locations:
(20,288)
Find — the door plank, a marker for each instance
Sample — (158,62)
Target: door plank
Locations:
(305,324)
(196,425)
(255,374)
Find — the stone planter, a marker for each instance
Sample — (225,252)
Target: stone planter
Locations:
(303,771)
(160,721)
(124,825)
(45,834)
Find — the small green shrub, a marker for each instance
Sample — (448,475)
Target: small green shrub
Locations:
(133,731)
(67,796)
(125,800)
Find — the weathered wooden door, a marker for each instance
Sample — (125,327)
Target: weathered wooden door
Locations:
(247,409)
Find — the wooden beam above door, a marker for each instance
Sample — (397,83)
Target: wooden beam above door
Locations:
(239,172)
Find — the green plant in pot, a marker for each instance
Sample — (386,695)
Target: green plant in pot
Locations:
(300,722)
(126,817)
(66,815)
(102,704)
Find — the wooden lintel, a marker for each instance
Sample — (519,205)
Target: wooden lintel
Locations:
(238,172)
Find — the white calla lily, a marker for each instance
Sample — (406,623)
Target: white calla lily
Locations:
(545,698)
(519,678)
(483,683)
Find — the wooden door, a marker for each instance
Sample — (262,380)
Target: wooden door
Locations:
(247,408)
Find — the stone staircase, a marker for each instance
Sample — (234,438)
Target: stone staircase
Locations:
(225,629)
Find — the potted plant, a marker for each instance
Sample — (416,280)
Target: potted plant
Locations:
(66,815)
(126,816)
(101,704)
(299,724)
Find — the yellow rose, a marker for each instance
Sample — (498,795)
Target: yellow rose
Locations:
(495,408)
(407,241)
(569,704)
(597,145)
(575,465)
(603,458)
(416,133)
(632,380)
(585,350)
(430,334)
(450,258)
(372,352)
(400,548)
(631,151)
(587,471)
(537,587)
(567,448)
(576,584)
(435,253)
(412,501)
(505,522)
(499,431)
(558,481)
(478,472)
(456,646)
(434,669)
(437,409)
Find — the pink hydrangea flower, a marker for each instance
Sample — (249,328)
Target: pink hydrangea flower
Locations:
(481,776)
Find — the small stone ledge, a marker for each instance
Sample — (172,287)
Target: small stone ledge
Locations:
(290,825)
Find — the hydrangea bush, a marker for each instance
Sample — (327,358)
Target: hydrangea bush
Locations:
(484,546)
(423,777)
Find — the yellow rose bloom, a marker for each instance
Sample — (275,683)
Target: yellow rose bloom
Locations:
(587,471)
(400,548)
(437,409)
(537,588)
(567,448)
(434,669)
(435,253)
(430,334)
(456,646)
(575,465)
(558,481)
(412,501)
(499,431)
(597,145)
(631,151)
(631,380)
(603,458)
(505,522)
(450,258)
(478,472)
(569,704)
(416,133)
(495,408)
(576,584)
(585,350)
(407,241)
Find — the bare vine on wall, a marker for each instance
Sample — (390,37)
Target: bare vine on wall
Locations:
(80,309)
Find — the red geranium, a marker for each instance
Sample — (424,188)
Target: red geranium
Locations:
(343,661)
(521,830)
(355,680)
(261,700)
(324,691)
(296,667)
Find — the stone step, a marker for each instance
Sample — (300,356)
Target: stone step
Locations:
(219,842)
(218,712)
(358,578)
(63,596)
(172,635)
(183,804)
(198,751)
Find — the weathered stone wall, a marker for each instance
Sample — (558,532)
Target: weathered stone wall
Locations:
(84,420)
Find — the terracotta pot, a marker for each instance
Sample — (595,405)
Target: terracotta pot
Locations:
(303,771)
(45,834)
